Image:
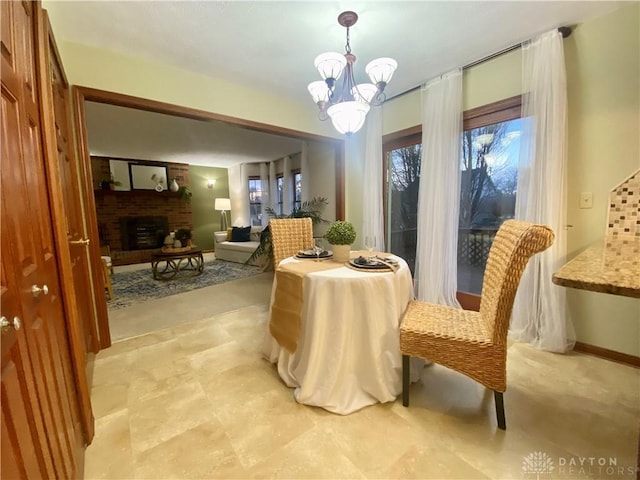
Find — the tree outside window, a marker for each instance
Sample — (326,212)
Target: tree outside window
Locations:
(489,174)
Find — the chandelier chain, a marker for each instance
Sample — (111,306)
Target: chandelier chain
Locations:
(347,47)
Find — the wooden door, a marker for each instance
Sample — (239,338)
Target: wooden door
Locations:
(38,355)
(25,451)
(60,147)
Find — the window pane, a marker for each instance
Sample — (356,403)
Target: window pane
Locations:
(255,201)
(297,189)
(489,176)
(404,175)
(280,186)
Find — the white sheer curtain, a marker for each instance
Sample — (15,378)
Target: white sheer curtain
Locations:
(273,186)
(539,313)
(372,200)
(239,194)
(304,173)
(436,275)
(287,187)
(265,197)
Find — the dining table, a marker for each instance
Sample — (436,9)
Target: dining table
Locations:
(334,330)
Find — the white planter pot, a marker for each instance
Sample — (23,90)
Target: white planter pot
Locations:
(341,253)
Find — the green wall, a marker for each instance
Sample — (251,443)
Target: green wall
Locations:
(206,220)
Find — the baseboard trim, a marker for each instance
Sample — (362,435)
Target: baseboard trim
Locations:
(608,354)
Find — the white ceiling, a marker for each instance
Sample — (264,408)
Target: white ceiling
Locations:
(271,45)
(128,133)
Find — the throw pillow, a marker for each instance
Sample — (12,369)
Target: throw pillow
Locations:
(240,234)
(229,234)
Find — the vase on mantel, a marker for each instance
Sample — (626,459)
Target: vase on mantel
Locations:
(174,187)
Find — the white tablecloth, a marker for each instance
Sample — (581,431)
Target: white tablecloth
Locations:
(348,354)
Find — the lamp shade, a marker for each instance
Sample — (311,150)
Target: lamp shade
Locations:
(364,92)
(319,91)
(222,204)
(330,65)
(348,117)
(381,70)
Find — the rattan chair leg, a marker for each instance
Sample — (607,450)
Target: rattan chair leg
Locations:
(502,423)
(405,380)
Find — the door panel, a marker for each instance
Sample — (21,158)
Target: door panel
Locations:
(24,439)
(60,131)
(40,417)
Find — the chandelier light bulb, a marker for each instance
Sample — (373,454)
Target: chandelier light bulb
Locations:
(348,103)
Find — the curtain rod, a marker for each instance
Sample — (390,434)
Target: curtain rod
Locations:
(565,31)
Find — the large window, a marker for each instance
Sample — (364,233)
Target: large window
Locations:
(403,172)
(255,201)
(489,170)
(488,184)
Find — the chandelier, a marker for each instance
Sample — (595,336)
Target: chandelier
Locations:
(347,104)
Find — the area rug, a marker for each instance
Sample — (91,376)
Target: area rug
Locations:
(139,286)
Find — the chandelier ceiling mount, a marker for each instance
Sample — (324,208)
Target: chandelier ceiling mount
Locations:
(348,103)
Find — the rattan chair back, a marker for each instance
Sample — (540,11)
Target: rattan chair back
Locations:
(513,245)
(289,236)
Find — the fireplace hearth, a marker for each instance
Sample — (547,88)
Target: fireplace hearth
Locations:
(139,233)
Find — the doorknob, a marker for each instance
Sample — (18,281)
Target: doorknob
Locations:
(80,242)
(5,324)
(36,290)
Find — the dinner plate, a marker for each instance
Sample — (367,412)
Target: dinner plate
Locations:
(367,263)
(308,254)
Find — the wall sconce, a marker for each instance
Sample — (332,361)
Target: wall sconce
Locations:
(210,182)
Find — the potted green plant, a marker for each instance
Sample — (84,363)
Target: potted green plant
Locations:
(185,193)
(109,183)
(341,235)
(184,235)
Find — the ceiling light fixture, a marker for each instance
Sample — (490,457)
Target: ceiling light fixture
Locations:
(348,104)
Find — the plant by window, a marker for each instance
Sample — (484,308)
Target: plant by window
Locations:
(341,233)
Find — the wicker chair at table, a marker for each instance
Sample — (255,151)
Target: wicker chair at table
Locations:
(475,343)
(289,236)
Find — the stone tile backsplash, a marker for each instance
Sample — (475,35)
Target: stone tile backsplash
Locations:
(624,208)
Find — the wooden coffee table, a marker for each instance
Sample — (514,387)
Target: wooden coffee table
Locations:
(167,265)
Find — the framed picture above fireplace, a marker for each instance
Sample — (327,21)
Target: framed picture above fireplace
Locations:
(148,177)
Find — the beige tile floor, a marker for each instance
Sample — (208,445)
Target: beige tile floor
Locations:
(197,400)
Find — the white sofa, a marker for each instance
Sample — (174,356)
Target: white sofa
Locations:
(237,251)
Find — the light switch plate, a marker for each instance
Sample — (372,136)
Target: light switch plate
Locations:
(586,200)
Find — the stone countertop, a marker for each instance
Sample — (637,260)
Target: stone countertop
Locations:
(612,265)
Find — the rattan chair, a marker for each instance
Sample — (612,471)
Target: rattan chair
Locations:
(475,343)
(289,236)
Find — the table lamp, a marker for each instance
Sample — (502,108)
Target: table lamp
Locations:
(223,204)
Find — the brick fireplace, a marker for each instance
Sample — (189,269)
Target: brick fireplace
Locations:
(118,210)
